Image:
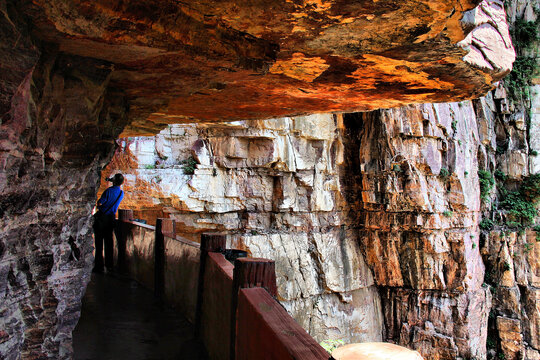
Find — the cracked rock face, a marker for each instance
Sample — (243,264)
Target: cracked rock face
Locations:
(371,218)
(76,74)
(273,185)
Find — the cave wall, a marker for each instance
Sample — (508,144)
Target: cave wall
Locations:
(59,122)
(50,177)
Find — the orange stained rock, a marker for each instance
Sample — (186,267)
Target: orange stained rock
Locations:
(375,351)
(234,60)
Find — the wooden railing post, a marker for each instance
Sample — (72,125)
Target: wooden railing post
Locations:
(209,243)
(163,227)
(248,273)
(125,214)
(121,236)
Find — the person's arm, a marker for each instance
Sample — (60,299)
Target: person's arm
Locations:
(104,198)
(120,198)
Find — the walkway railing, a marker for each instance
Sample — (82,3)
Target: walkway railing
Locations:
(233,307)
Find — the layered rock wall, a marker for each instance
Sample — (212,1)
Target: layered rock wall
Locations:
(508,155)
(342,203)
(274,186)
(416,213)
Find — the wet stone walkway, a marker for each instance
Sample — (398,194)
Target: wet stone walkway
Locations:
(122,320)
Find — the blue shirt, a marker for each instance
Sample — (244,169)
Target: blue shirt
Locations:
(110,200)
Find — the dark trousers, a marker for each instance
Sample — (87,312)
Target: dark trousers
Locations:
(103,233)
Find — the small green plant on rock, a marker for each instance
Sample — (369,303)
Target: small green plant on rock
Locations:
(506,266)
(491,343)
(513,224)
(486,183)
(524,33)
(444,173)
(448,213)
(525,69)
(489,277)
(525,37)
(486,224)
(189,165)
(331,345)
(149,166)
(521,204)
(500,175)
(537,229)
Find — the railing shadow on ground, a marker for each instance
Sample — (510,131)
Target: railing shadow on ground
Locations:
(232,306)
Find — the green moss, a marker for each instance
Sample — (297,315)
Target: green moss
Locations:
(486,183)
(448,213)
(148,167)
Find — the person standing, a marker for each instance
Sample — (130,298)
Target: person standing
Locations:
(104,222)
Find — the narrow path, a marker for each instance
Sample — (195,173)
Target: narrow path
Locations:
(121,320)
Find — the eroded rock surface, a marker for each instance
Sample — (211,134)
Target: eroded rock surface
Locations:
(251,60)
(273,185)
(56,132)
(372,219)
(387,198)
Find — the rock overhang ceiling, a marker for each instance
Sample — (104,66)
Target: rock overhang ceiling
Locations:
(229,60)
